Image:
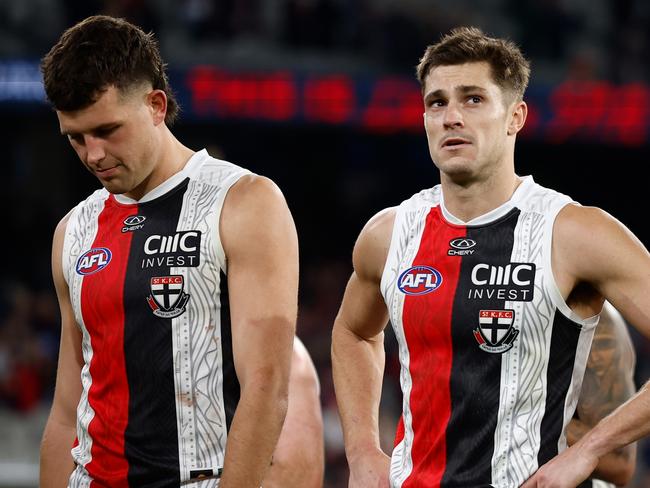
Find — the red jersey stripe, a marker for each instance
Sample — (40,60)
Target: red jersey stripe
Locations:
(430,352)
(102,304)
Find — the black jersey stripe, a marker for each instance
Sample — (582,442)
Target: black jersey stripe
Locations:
(564,343)
(231,388)
(151,437)
(475,374)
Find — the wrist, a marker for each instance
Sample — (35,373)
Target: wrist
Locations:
(595,444)
(357,453)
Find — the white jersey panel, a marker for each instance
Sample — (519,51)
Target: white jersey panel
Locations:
(196,334)
(524,369)
(410,220)
(80,233)
(198,357)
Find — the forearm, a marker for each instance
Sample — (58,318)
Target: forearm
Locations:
(56,464)
(294,473)
(253,434)
(628,423)
(358,367)
(616,466)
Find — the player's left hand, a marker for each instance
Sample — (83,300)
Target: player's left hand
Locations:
(567,470)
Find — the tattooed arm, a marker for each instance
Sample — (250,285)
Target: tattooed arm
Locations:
(608,383)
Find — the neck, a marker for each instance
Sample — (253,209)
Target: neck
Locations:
(171,157)
(468,200)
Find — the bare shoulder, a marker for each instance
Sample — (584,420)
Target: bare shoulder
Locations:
(57,247)
(612,326)
(578,223)
(583,236)
(300,354)
(253,191)
(302,365)
(371,248)
(255,212)
(61,227)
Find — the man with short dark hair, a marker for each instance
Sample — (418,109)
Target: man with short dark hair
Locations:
(177,283)
(493,285)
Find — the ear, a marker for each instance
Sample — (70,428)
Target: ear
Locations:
(518,114)
(157,101)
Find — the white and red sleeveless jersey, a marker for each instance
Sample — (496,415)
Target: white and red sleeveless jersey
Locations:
(492,358)
(147,282)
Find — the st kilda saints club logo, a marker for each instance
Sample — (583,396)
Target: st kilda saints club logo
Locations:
(495,332)
(167,299)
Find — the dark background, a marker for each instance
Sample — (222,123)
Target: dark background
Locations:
(335,177)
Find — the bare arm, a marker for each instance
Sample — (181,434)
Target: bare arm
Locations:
(56,464)
(298,460)
(358,355)
(608,383)
(593,248)
(261,247)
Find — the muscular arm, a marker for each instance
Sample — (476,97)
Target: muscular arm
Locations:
(261,247)
(610,259)
(358,355)
(56,462)
(298,460)
(608,382)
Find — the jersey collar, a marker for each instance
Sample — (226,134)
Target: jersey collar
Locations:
(169,184)
(519,194)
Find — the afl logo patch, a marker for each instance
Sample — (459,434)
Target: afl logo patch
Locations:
(94,260)
(419,280)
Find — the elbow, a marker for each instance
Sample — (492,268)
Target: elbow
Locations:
(269,387)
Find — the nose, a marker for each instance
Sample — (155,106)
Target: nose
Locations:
(452,117)
(94,150)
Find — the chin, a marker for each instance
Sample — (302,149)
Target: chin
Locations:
(459,170)
(456,164)
(114,189)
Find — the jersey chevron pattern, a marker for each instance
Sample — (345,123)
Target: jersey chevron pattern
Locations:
(492,358)
(148,287)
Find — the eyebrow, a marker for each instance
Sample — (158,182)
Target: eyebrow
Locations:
(95,129)
(462,89)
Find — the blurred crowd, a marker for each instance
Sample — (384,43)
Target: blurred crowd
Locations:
(583,39)
(29,330)
(590,38)
(29,341)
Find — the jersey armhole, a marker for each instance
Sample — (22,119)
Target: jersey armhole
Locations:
(67,244)
(391,260)
(226,186)
(553,289)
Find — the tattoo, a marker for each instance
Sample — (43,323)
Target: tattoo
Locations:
(608,380)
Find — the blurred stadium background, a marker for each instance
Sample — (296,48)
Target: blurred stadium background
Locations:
(320,96)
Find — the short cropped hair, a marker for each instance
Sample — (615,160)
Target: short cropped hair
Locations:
(510,69)
(98,52)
